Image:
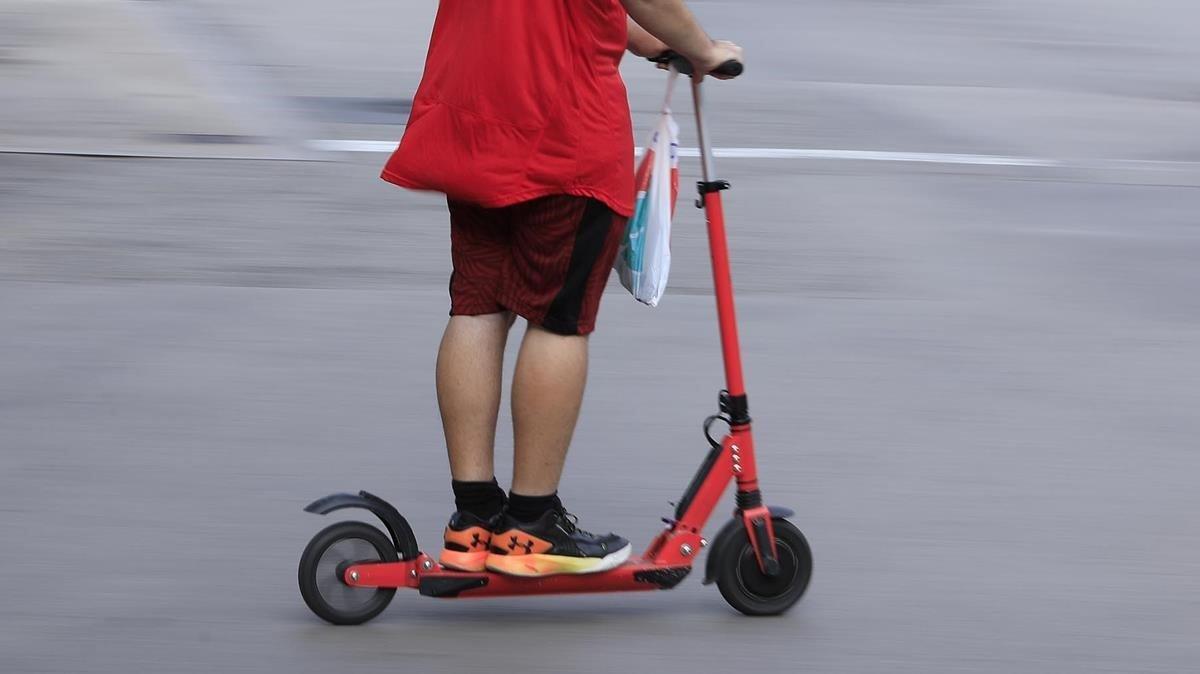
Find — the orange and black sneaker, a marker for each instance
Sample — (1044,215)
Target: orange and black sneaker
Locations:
(466,542)
(551,545)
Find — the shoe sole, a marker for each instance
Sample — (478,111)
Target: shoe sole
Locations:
(535,565)
(464,561)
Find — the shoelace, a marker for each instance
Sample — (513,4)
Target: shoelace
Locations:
(572,524)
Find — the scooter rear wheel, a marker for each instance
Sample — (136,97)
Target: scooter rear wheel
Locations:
(752,592)
(325,559)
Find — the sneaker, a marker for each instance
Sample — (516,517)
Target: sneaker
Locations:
(551,545)
(466,541)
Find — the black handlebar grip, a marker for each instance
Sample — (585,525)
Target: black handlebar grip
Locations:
(730,68)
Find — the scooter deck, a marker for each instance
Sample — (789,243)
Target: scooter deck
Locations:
(432,580)
(634,575)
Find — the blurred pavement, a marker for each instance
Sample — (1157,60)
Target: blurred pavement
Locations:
(976,384)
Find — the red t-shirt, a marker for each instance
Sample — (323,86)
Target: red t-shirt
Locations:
(521,100)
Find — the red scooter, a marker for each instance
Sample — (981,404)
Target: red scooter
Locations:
(759,560)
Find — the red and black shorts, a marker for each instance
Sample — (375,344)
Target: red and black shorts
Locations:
(546,260)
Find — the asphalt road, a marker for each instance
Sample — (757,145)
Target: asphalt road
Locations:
(977,385)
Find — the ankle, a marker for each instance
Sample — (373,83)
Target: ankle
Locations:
(484,500)
(524,508)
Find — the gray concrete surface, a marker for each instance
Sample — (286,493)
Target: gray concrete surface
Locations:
(976,385)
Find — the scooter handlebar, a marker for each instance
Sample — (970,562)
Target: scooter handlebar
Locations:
(730,68)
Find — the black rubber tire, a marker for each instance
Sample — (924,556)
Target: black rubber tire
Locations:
(745,586)
(371,601)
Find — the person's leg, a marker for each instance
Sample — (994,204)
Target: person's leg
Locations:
(547,392)
(470,366)
(563,251)
(469,371)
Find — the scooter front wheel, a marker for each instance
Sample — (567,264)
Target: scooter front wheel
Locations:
(325,559)
(747,588)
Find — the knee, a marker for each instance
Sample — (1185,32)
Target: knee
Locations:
(548,333)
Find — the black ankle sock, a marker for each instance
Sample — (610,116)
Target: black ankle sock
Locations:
(528,508)
(481,499)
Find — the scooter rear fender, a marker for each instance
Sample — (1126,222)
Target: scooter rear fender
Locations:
(401,533)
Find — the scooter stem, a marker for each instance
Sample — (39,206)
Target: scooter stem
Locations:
(707,169)
(710,193)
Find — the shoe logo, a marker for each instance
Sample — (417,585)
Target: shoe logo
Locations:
(514,543)
(469,539)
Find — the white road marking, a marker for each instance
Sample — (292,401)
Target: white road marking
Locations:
(352,145)
(869,155)
(763,153)
(1183,173)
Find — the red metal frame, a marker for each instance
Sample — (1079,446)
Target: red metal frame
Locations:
(387,574)
(718,247)
(410,574)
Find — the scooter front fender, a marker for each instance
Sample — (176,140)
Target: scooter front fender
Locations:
(727,532)
(401,533)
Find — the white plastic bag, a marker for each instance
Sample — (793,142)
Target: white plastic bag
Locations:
(644,258)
